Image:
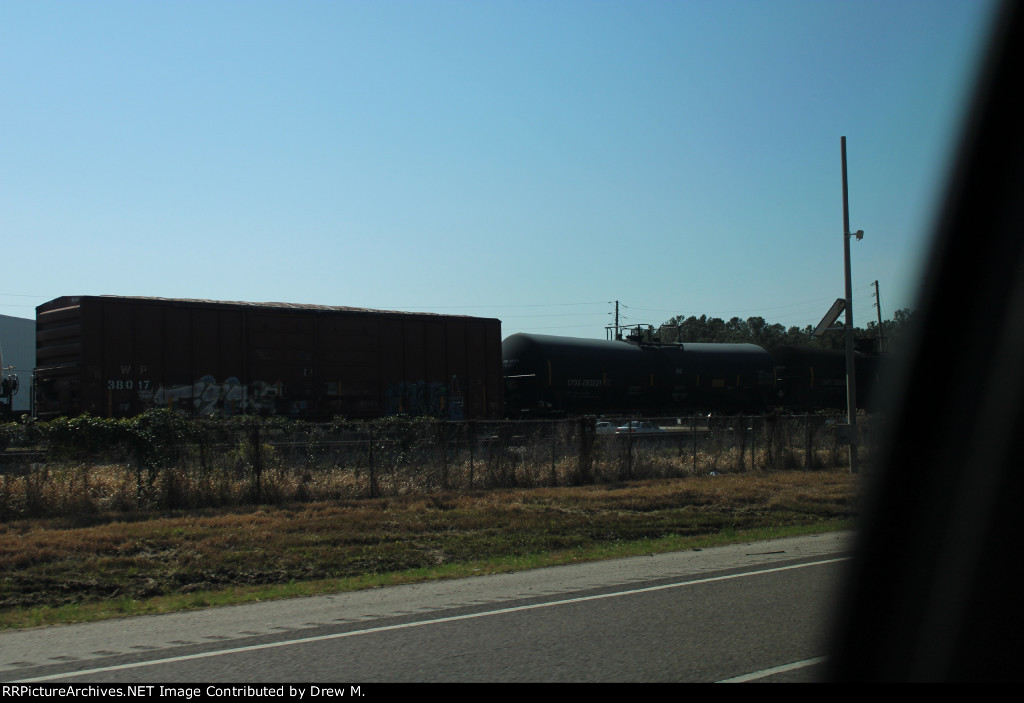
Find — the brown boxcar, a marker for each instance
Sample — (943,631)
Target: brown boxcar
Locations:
(116,356)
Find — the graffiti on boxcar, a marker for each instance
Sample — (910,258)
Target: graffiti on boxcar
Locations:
(456,402)
(208,397)
(422,398)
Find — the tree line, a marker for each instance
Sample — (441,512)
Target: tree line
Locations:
(756,330)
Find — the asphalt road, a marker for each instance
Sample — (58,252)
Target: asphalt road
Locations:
(749,612)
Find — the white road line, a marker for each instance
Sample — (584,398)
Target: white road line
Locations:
(420,623)
(753,676)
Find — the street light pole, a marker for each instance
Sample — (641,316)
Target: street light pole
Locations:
(851,371)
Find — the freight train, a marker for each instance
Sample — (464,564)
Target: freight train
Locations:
(550,375)
(115,356)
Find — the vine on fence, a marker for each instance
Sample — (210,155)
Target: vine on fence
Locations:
(162,460)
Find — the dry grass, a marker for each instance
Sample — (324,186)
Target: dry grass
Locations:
(98,563)
(213,466)
(79,489)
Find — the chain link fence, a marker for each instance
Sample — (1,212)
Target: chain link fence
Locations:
(215,464)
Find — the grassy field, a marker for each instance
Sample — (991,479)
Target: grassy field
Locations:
(97,566)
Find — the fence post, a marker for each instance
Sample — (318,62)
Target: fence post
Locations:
(373,478)
(693,440)
(471,440)
(443,442)
(629,452)
(807,441)
(257,461)
(775,452)
(138,479)
(740,441)
(554,476)
(587,433)
(753,443)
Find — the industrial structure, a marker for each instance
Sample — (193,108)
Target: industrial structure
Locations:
(17,359)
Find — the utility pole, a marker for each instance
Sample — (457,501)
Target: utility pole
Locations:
(878,307)
(851,371)
(618,334)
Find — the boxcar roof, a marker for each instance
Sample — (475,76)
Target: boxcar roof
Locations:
(70,301)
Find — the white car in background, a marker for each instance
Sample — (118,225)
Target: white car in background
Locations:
(639,427)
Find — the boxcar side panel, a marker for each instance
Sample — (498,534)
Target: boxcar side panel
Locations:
(281,362)
(476,371)
(413,373)
(232,378)
(435,379)
(115,356)
(457,369)
(348,356)
(176,388)
(391,364)
(494,393)
(93,392)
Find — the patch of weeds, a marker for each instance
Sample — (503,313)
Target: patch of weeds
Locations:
(191,559)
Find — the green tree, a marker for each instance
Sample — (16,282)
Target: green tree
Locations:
(757,330)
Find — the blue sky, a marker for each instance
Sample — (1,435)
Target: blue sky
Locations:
(530,161)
